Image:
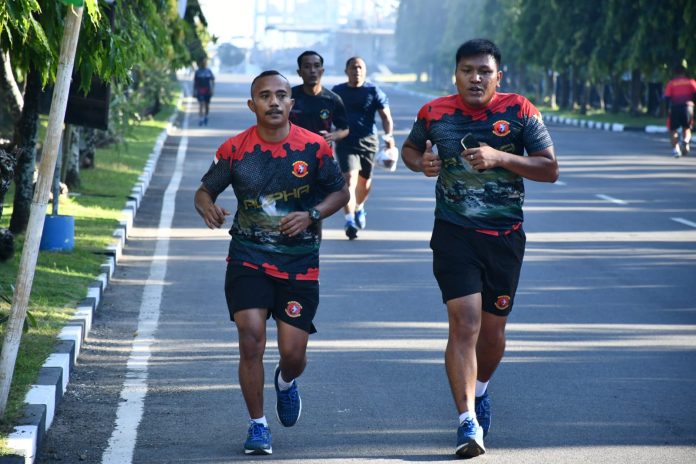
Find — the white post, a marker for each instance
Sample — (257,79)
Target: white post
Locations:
(30,252)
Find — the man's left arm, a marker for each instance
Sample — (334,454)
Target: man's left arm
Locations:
(297,221)
(388,126)
(540,166)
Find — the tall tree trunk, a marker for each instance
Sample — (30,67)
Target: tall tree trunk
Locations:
(551,81)
(13,96)
(615,94)
(599,88)
(564,91)
(522,79)
(25,136)
(585,99)
(636,97)
(7,169)
(71,156)
(88,146)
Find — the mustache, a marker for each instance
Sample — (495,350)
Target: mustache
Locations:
(274,111)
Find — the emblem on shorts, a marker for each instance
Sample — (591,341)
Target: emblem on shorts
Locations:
(293,309)
(503,302)
(299,169)
(324,114)
(501,128)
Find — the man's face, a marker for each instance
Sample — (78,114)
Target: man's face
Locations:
(356,72)
(477,78)
(311,70)
(271,101)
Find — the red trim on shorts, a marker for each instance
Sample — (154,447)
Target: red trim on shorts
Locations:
(311,274)
(272,270)
(253,266)
(498,233)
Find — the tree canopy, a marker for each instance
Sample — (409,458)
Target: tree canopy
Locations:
(593,42)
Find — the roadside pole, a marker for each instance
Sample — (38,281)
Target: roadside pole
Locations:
(30,252)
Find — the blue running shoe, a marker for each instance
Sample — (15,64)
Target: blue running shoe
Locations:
(483,412)
(469,440)
(288,402)
(351,230)
(258,439)
(361,218)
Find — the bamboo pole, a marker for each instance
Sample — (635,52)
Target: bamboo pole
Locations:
(37,215)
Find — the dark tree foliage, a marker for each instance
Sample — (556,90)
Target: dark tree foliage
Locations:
(576,51)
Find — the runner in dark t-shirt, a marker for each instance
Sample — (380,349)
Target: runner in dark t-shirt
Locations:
(203,89)
(286,180)
(317,108)
(477,241)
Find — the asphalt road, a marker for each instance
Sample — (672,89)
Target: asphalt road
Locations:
(601,357)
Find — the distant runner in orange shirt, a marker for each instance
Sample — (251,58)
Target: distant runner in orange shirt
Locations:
(680,94)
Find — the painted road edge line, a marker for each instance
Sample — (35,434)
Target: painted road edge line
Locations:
(130,411)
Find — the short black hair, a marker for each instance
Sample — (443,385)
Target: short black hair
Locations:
(679,69)
(270,72)
(353,58)
(309,53)
(475,47)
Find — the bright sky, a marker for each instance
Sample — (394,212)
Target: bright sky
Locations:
(230,20)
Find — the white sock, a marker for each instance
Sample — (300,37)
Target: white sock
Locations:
(359,208)
(261,420)
(350,217)
(282,384)
(481,388)
(467,415)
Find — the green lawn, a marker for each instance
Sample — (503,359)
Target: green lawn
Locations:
(61,279)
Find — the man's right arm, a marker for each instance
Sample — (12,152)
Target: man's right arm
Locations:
(213,215)
(426,162)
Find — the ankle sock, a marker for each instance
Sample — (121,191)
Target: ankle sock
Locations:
(282,384)
(467,415)
(261,420)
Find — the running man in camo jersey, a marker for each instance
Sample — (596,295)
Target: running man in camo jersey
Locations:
(477,240)
(285,180)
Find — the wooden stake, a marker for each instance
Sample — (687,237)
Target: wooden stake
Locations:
(37,215)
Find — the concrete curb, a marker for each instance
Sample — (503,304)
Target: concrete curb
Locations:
(607,126)
(43,397)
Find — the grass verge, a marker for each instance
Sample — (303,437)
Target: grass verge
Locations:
(61,279)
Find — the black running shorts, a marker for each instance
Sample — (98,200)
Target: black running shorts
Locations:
(466,262)
(294,302)
(681,116)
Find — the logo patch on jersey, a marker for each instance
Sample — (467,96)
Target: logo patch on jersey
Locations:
(503,302)
(324,114)
(299,169)
(501,128)
(293,309)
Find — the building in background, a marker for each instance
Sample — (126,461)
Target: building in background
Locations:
(338,29)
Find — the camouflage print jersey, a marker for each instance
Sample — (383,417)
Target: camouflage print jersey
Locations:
(482,200)
(271,180)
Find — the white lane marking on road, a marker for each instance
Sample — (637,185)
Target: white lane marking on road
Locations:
(612,199)
(130,409)
(560,182)
(685,222)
